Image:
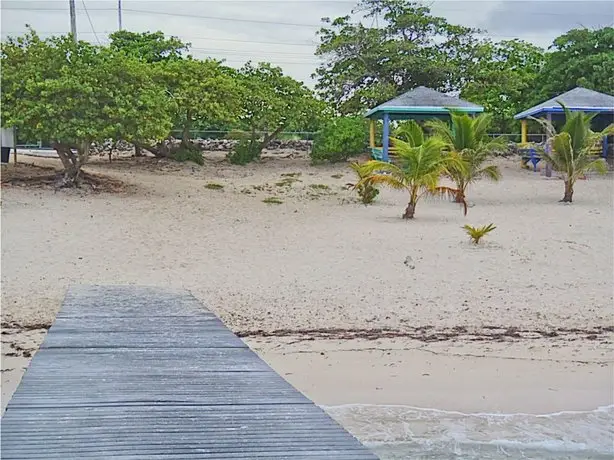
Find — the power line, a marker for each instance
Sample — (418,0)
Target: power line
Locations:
(90,21)
(186,15)
(531,13)
(220,18)
(184,37)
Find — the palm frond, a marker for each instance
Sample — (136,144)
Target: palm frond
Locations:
(411,132)
(442,130)
(385,180)
(599,166)
(372,166)
(491,172)
(451,194)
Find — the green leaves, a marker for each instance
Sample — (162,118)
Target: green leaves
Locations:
(76,93)
(503,79)
(571,149)
(365,66)
(339,139)
(580,57)
(477,233)
(411,132)
(468,139)
(270,102)
(148,46)
(418,171)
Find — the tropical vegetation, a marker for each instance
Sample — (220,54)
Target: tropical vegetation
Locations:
(467,137)
(570,150)
(418,172)
(477,233)
(145,88)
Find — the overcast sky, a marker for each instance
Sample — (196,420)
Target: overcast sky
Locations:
(283,32)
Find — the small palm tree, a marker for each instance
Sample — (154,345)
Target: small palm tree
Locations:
(366,191)
(477,233)
(468,138)
(570,149)
(418,171)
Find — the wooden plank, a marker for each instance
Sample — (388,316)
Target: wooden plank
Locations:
(123,375)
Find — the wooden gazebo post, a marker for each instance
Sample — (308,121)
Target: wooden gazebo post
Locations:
(386,137)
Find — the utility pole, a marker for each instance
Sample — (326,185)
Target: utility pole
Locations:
(119,13)
(73,20)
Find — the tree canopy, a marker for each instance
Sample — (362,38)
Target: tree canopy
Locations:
(581,57)
(369,65)
(73,94)
(271,102)
(503,80)
(148,46)
(405,46)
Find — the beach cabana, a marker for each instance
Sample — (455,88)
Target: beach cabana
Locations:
(578,99)
(418,104)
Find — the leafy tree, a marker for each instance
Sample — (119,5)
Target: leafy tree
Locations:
(418,173)
(571,149)
(148,46)
(271,102)
(503,80)
(339,139)
(199,90)
(580,57)
(369,65)
(467,138)
(73,94)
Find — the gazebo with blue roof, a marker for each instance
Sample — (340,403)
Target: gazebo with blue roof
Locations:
(418,104)
(577,100)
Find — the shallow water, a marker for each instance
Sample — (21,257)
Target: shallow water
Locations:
(403,432)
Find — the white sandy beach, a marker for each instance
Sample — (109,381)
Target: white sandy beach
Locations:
(319,285)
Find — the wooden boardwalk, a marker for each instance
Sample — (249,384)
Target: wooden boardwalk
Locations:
(143,373)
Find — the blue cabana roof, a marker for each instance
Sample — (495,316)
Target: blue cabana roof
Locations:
(423,101)
(578,99)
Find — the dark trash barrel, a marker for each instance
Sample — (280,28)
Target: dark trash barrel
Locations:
(6,153)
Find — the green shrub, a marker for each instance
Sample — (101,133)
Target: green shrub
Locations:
(188,154)
(244,152)
(366,191)
(340,139)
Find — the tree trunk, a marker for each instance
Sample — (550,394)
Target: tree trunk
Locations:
(138,150)
(269,137)
(459,197)
(71,164)
(568,197)
(410,210)
(161,150)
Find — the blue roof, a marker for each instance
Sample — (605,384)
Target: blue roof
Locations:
(578,99)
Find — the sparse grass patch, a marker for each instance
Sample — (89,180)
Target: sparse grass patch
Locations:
(319,186)
(287,181)
(293,174)
(272,200)
(214,186)
(337,176)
